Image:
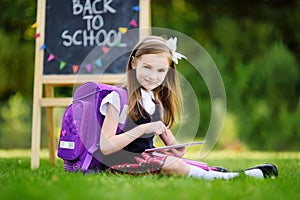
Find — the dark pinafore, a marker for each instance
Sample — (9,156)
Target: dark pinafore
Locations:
(136,147)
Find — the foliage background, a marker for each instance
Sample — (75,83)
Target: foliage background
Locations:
(255,45)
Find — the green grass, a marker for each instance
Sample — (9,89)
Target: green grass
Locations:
(18,181)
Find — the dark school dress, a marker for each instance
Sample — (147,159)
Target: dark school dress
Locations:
(132,158)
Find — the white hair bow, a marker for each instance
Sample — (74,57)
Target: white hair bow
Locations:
(172,44)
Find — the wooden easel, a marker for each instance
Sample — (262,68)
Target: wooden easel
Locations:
(46,84)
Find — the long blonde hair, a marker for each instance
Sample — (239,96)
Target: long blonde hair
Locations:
(168,94)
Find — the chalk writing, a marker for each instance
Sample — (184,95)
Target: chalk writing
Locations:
(93,33)
(89,36)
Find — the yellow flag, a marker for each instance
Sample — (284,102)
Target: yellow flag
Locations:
(34,25)
(123,30)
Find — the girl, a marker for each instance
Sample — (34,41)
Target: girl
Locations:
(154,98)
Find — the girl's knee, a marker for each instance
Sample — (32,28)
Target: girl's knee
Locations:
(176,166)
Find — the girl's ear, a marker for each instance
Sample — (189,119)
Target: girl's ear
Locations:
(133,62)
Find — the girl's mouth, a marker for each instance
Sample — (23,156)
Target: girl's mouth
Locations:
(149,82)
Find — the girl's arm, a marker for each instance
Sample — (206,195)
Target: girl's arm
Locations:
(168,138)
(110,142)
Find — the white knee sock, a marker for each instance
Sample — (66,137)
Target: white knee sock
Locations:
(256,173)
(211,175)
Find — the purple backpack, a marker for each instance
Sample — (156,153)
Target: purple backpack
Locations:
(81,127)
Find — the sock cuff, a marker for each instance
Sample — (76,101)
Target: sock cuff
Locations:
(193,170)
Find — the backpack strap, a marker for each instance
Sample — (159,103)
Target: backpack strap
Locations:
(123,104)
(87,161)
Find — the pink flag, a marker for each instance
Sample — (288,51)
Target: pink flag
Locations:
(88,67)
(51,57)
(133,23)
(37,35)
(105,50)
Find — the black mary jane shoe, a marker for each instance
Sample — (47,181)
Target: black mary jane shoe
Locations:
(219,169)
(268,170)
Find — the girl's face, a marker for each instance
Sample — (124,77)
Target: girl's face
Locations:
(151,69)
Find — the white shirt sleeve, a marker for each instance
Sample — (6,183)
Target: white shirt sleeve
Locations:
(112,98)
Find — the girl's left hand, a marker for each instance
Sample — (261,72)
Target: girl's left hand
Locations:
(176,152)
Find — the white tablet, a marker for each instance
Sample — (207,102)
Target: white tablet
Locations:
(175,146)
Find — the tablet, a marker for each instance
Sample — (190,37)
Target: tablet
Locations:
(175,146)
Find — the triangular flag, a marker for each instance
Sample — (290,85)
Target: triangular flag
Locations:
(105,50)
(62,65)
(123,30)
(51,57)
(133,23)
(119,44)
(43,47)
(136,8)
(88,67)
(34,25)
(37,35)
(99,62)
(75,69)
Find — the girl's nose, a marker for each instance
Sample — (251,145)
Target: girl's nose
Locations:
(151,76)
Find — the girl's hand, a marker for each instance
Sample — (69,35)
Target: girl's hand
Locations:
(176,152)
(157,128)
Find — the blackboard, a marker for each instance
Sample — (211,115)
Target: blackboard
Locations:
(89,36)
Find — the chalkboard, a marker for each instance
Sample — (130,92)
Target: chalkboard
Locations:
(89,36)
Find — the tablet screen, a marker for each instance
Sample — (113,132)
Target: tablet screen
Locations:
(175,146)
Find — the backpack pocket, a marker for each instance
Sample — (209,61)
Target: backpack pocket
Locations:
(70,145)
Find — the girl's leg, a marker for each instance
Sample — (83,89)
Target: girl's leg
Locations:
(176,166)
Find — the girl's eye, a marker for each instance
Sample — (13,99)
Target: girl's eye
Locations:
(147,67)
(162,70)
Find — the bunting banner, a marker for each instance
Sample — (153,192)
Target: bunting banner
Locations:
(97,62)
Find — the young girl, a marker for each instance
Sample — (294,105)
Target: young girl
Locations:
(154,98)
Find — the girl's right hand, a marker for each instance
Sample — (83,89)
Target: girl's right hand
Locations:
(157,128)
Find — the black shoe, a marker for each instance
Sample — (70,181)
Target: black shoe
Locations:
(268,170)
(218,169)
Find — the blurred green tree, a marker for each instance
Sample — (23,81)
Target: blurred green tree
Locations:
(255,45)
(16,123)
(17,47)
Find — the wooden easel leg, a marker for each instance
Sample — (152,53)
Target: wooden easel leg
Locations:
(50,126)
(36,128)
(38,87)
(36,134)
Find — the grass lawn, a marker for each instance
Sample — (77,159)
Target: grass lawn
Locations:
(18,181)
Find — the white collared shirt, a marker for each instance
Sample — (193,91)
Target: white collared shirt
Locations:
(148,101)
(113,98)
